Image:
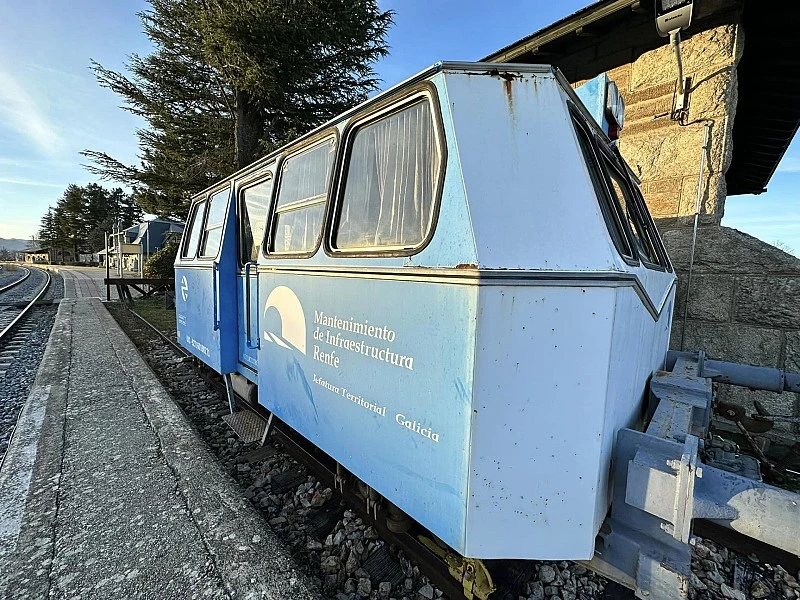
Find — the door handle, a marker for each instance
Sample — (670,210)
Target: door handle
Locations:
(247,312)
(215,292)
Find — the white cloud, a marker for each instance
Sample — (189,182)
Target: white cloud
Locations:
(19,112)
(13,181)
(35,164)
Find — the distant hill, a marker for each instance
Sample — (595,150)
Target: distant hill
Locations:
(14,244)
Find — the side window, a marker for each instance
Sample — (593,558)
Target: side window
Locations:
(619,189)
(214,223)
(390,187)
(609,208)
(654,235)
(253,219)
(300,205)
(192,234)
(634,213)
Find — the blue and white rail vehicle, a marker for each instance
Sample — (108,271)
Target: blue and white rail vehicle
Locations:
(455,290)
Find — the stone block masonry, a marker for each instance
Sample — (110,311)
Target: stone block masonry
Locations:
(664,154)
(745,299)
(744,306)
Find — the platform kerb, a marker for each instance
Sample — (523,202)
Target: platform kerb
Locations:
(118,497)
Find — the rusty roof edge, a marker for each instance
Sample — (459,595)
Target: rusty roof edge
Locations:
(569,24)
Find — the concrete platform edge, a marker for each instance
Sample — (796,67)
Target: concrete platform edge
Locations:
(253,566)
(29,462)
(247,554)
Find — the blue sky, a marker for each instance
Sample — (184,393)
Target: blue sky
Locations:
(51,108)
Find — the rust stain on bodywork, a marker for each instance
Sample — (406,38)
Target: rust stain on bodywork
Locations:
(509,94)
(507,78)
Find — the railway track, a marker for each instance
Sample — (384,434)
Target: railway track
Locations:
(17,301)
(14,309)
(508,574)
(16,281)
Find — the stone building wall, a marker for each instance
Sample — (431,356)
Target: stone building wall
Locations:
(664,154)
(744,306)
(745,299)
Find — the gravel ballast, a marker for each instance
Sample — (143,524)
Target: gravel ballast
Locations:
(350,561)
(20,374)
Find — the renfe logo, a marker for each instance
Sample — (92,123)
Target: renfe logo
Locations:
(292,319)
(184,288)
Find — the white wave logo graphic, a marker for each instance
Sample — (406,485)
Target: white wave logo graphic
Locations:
(293,319)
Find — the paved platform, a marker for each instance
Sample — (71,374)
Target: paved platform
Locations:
(85,282)
(106,492)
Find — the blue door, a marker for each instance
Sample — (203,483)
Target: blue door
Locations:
(253,202)
(205,298)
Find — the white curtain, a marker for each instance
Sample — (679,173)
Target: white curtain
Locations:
(388,195)
(304,179)
(256,202)
(305,176)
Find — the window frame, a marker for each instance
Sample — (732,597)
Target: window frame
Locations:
(190,221)
(209,195)
(267,174)
(609,207)
(425,91)
(649,222)
(331,133)
(640,211)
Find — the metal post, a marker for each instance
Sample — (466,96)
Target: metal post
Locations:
(108,271)
(229,392)
(675,41)
(698,202)
(266,429)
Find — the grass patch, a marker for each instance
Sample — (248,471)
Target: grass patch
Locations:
(153,310)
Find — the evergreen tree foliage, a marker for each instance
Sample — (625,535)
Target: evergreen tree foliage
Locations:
(83,215)
(230,80)
(161,263)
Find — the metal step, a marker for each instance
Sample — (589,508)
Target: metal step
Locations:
(247,425)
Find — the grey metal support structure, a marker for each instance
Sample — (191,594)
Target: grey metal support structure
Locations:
(661,485)
(749,376)
(229,393)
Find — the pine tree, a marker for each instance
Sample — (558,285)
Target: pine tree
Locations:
(128,212)
(230,80)
(82,217)
(47,232)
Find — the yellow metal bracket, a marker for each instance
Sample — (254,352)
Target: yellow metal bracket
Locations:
(471,572)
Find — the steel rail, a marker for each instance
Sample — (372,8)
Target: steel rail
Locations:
(319,464)
(17,282)
(2,334)
(30,305)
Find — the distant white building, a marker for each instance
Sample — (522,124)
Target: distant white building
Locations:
(48,255)
(134,245)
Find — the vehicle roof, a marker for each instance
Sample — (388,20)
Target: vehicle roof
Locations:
(472,68)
